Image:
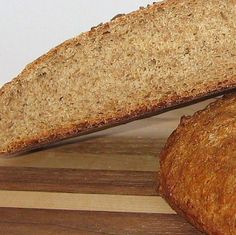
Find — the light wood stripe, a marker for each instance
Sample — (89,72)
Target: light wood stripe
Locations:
(84,202)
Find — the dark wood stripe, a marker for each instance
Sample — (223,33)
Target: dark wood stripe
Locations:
(33,221)
(112,145)
(78,181)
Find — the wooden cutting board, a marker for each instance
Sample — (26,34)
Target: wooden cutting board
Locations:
(103,183)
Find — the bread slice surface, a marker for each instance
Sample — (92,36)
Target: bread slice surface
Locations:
(198,168)
(137,64)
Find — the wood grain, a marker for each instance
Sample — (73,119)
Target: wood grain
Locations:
(78,181)
(98,153)
(83,202)
(102,183)
(32,221)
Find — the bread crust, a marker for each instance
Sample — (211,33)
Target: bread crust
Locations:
(80,39)
(87,127)
(197,168)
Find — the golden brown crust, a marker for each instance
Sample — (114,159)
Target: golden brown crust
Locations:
(198,168)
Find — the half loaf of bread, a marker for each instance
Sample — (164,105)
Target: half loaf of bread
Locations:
(136,65)
(198,168)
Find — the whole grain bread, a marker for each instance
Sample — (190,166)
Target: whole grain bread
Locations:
(198,168)
(136,65)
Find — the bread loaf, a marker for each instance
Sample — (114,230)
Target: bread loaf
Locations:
(198,168)
(136,65)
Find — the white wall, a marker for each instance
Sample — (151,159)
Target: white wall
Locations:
(29,28)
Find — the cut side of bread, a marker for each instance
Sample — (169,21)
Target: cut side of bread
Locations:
(136,65)
(198,168)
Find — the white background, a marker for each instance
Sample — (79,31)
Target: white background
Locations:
(29,28)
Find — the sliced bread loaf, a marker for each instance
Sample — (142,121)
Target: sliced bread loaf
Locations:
(136,65)
(198,168)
